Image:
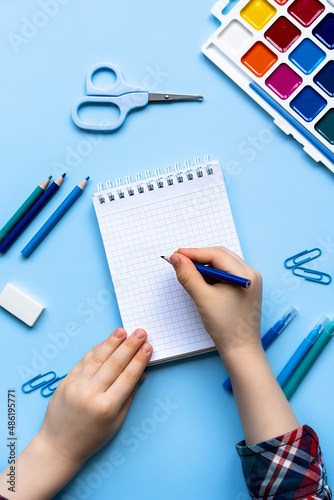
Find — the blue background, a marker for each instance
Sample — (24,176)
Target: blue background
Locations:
(281,199)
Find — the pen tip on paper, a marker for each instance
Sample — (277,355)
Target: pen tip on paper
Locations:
(162,256)
(64,175)
(87,178)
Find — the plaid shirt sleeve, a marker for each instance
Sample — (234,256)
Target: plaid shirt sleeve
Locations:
(285,468)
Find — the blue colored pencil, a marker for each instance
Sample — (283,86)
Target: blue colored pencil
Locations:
(55,218)
(31,214)
(219,275)
(301,351)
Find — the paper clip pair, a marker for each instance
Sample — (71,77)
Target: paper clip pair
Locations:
(47,385)
(295,264)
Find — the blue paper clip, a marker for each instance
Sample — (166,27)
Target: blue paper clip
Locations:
(47,390)
(321,276)
(303,261)
(37,386)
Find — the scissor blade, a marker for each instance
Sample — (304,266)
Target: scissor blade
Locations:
(173,97)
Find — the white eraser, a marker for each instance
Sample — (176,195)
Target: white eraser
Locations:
(20,305)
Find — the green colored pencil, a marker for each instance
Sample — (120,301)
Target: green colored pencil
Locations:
(302,369)
(24,208)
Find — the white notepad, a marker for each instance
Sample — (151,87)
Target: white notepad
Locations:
(142,220)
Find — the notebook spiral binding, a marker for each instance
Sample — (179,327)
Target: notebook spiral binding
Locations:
(159,181)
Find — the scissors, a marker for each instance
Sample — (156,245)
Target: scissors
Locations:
(125,97)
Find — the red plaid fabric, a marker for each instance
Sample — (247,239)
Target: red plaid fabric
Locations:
(285,468)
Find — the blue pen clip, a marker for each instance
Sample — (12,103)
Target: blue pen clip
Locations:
(294,258)
(47,390)
(322,278)
(33,387)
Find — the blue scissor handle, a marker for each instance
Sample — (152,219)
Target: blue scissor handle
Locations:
(125,97)
(119,88)
(125,104)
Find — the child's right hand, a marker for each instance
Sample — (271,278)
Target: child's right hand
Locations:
(230,314)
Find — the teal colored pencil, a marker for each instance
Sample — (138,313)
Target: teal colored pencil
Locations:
(303,368)
(20,212)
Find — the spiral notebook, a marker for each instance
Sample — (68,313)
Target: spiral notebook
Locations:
(144,219)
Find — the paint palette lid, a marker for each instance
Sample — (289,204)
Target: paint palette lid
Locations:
(281,53)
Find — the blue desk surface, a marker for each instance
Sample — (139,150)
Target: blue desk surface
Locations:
(282,203)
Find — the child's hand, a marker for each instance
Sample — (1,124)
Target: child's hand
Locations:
(91,403)
(230,314)
(86,410)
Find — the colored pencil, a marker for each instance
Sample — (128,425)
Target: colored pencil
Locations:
(55,218)
(31,214)
(26,205)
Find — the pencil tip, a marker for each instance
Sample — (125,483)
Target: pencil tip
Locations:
(87,178)
(64,175)
(50,177)
(162,256)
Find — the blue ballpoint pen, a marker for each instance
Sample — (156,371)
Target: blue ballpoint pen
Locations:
(301,351)
(219,275)
(270,336)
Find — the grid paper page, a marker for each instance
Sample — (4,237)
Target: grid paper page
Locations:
(136,235)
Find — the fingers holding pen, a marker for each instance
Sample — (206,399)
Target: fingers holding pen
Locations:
(217,257)
(223,259)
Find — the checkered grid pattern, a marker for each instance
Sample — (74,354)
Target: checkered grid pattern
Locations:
(152,224)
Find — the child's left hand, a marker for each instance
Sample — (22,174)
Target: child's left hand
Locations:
(91,403)
(86,410)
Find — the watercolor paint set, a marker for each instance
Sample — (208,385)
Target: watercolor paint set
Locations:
(281,52)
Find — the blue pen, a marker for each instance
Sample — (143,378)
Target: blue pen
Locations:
(270,336)
(55,217)
(301,351)
(278,327)
(219,275)
(31,214)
